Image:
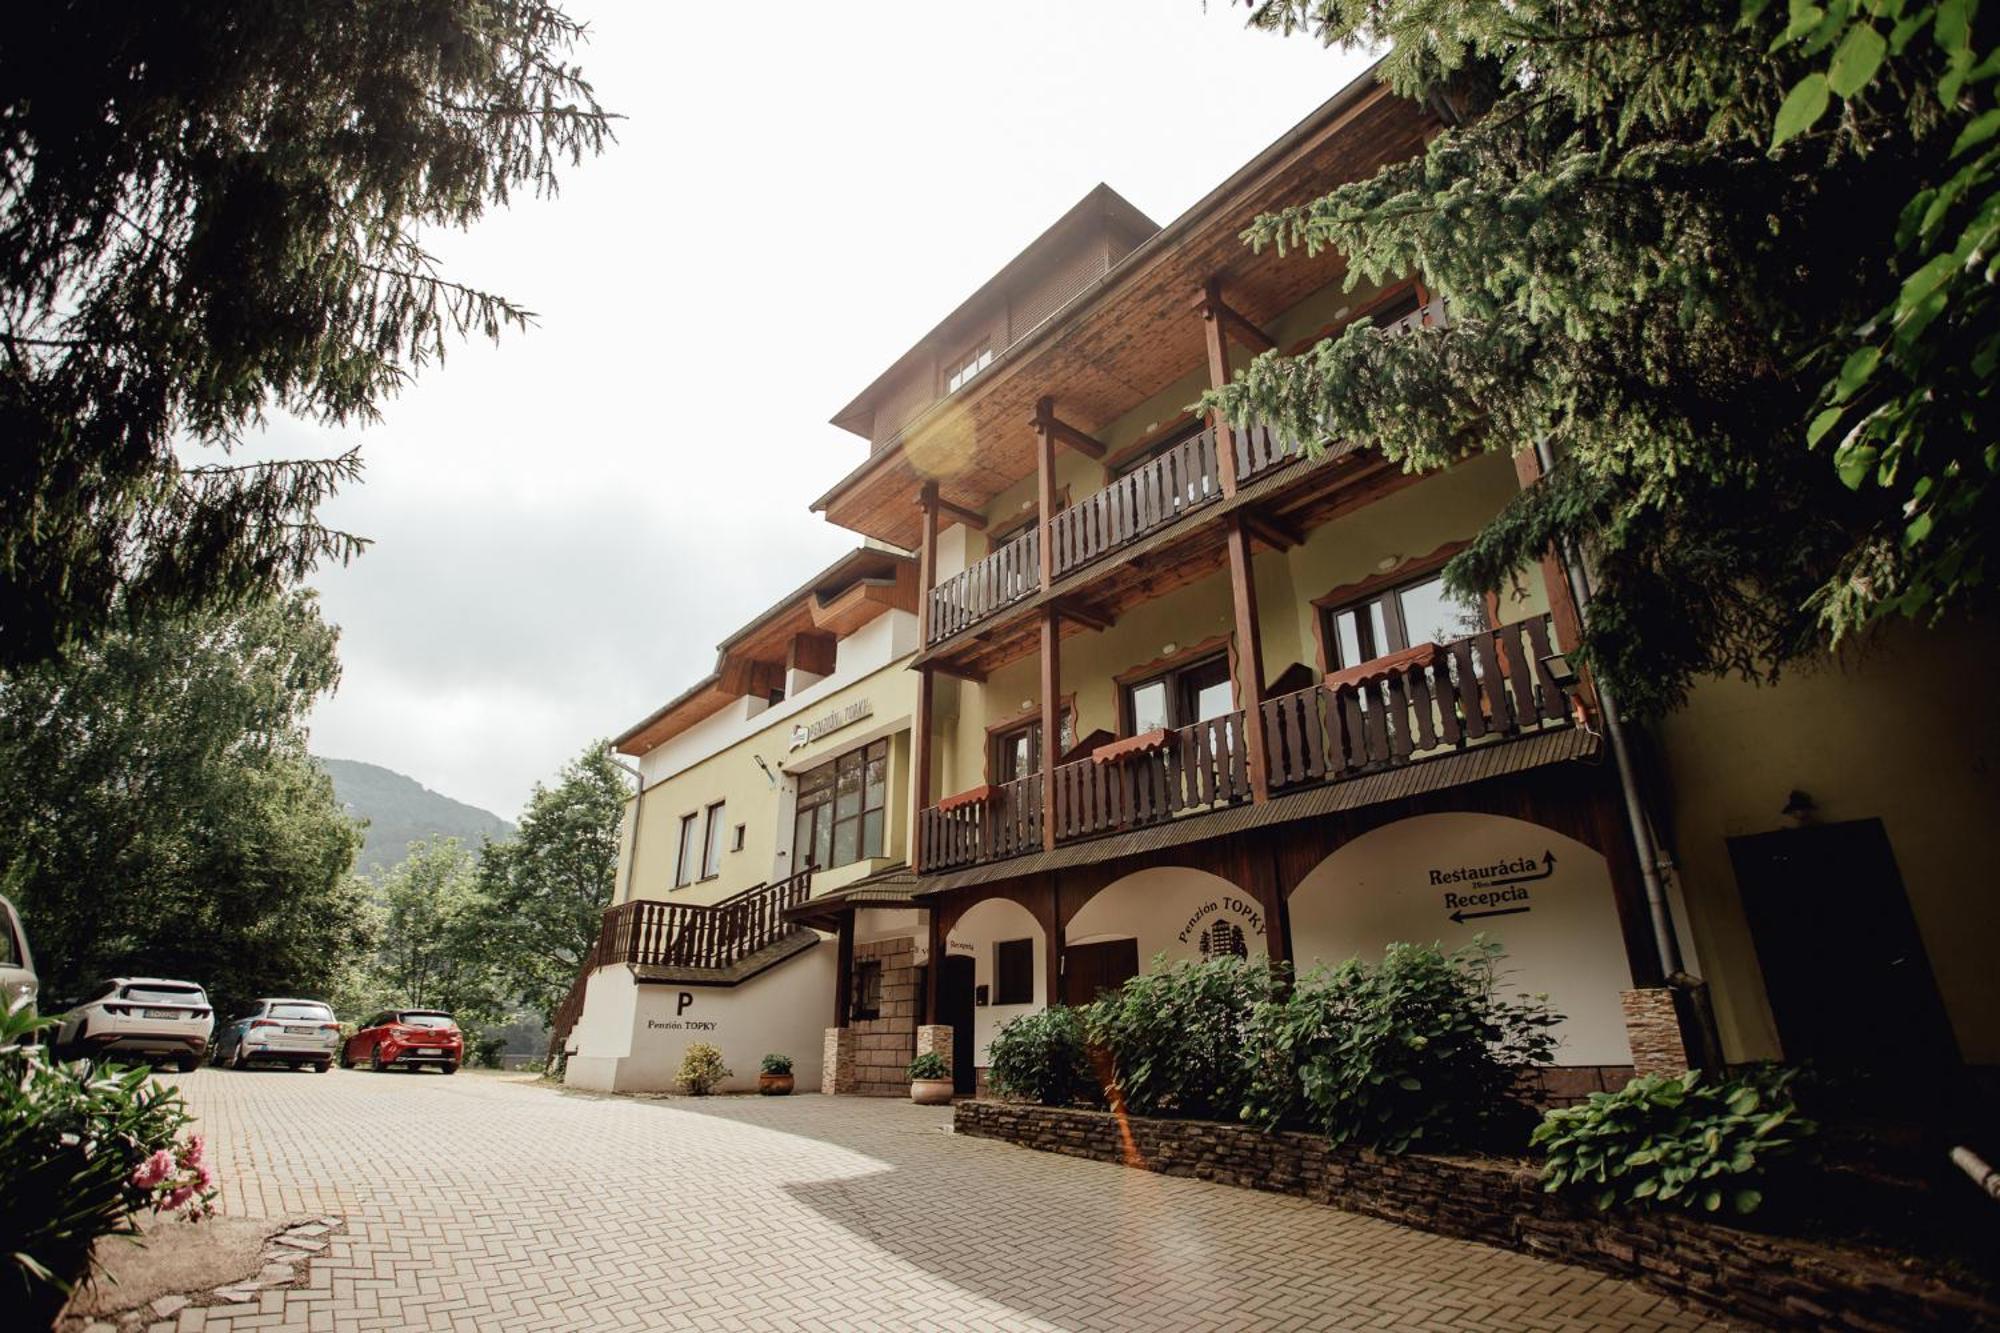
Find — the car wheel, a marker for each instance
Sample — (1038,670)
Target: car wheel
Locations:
(346,1060)
(448,1068)
(322,1066)
(375,1061)
(187,1063)
(236,1060)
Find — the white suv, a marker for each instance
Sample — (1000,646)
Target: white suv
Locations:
(141,1016)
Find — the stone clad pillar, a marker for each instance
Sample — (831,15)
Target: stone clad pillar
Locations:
(1654,1029)
(837,1068)
(935,1037)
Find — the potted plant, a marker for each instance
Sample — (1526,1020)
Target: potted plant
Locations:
(930,1080)
(775,1079)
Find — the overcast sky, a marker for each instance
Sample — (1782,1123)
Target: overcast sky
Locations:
(565,525)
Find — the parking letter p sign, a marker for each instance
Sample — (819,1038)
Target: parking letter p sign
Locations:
(687,998)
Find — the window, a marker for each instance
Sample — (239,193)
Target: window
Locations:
(1017,751)
(711,842)
(686,863)
(1014,972)
(736,839)
(1401,617)
(868,989)
(967,366)
(299,1009)
(1180,696)
(842,806)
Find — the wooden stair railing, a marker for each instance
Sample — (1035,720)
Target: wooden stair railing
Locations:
(696,936)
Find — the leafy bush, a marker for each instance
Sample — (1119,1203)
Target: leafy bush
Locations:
(1417,1047)
(702,1069)
(489,1052)
(929,1065)
(83,1148)
(1680,1142)
(776,1064)
(1043,1058)
(1176,1036)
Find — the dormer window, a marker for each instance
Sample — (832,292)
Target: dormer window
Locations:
(967,366)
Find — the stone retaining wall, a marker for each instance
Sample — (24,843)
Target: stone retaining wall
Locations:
(1743,1274)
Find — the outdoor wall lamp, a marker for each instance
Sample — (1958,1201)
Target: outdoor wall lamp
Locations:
(1560,671)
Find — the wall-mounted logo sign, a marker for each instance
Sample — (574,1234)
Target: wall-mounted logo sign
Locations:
(1222,927)
(807,732)
(1500,889)
(683,1002)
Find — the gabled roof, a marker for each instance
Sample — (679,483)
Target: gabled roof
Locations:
(1102,201)
(835,602)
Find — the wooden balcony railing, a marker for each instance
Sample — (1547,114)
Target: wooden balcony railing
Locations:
(1426,701)
(1199,767)
(1001,579)
(1420,704)
(1179,480)
(1005,821)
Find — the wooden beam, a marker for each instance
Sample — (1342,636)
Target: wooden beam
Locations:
(920,782)
(1046,422)
(927,497)
(1274,532)
(1085,616)
(1249,656)
(843,967)
(812,653)
(1051,723)
(1218,375)
(1234,323)
(960,670)
(1563,610)
(1045,487)
(971,518)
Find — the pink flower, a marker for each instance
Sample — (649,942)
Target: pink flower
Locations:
(178,1199)
(193,1150)
(204,1176)
(153,1170)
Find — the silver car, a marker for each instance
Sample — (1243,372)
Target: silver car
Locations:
(18,983)
(140,1016)
(299,1033)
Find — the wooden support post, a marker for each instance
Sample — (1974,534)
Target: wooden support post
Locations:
(1045,484)
(843,979)
(1555,580)
(935,965)
(1218,375)
(927,498)
(1051,719)
(1249,656)
(920,767)
(1052,977)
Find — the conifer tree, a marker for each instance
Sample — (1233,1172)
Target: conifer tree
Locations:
(1730,263)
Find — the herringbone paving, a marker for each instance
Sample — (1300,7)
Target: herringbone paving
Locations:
(483,1202)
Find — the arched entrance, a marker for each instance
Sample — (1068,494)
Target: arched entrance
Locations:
(1445,878)
(1174,911)
(1007,952)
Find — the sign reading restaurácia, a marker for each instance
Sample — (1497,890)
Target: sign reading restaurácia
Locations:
(1500,889)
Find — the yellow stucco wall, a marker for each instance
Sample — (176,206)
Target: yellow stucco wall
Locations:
(732,775)
(1899,732)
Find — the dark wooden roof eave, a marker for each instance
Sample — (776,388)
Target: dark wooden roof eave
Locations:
(1480,764)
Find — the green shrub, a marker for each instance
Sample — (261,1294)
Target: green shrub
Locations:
(776,1064)
(1683,1142)
(1415,1048)
(1176,1036)
(702,1069)
(488,1052)
(83,1148)
(929,1065)
(1043,1057)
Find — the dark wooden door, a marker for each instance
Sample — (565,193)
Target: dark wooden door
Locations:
(955,1008)
(1092,968)
(1845,970)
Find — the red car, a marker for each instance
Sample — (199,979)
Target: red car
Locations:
(406,1039)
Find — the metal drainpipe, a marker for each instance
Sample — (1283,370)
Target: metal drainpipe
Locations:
(1665,941)
(638,809)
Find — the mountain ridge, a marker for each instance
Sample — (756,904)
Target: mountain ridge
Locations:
(400,810)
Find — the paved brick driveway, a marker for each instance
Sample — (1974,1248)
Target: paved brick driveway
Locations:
(483,1202)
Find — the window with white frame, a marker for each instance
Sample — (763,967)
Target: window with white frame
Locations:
(967,366)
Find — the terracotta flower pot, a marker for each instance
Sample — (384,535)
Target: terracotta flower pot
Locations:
(930,1091)
(774,1085)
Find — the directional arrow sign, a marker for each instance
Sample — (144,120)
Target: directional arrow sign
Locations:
(1462,916)
(1548,868)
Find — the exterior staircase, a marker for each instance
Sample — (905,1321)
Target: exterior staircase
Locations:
(717,944)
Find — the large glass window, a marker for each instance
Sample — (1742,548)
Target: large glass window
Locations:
(1421,611)
(688,862)
(842,809)
(1180,697)
(1017,751)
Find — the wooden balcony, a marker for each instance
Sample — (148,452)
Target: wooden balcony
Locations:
(987,587)
(1422,704)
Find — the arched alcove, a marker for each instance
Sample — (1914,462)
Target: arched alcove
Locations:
(978,935)
(1444,878)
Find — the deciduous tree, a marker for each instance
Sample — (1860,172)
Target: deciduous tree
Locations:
(212,211)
